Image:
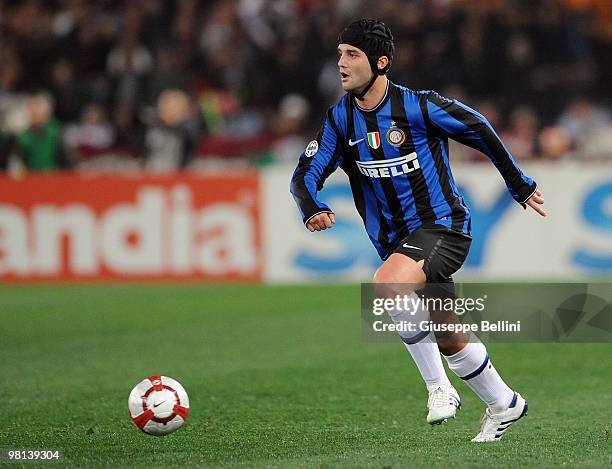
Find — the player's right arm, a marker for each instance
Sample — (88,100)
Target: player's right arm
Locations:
(320,159)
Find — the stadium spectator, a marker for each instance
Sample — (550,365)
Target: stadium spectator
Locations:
(40,145)
(170,141)
(92,132)
(589,127)
(554,143)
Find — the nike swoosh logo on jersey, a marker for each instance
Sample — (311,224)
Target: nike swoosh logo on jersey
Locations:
(352,144)
(409,246)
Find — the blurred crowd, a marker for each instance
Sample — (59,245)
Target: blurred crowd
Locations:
(164,85)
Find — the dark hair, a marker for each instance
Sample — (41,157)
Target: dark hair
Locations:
(374,38)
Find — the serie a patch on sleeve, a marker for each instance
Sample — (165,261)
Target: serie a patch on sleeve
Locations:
(312,148)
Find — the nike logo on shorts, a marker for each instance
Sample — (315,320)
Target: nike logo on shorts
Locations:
(409,246)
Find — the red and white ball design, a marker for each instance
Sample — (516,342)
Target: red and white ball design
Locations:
(158,405)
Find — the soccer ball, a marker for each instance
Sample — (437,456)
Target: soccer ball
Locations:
(158,405)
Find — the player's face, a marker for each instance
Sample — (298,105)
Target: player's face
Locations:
(355,71)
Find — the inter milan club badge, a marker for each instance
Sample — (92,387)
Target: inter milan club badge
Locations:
(374,139)
(395,136)
(312,148)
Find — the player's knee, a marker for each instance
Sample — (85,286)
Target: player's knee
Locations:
(383,275)
(389,282)
(412,275)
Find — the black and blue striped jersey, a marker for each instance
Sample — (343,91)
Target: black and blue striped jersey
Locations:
(397,162)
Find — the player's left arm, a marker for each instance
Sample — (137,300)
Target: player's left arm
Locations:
(465,125)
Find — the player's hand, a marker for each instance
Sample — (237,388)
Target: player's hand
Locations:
(322,221)
(535,201)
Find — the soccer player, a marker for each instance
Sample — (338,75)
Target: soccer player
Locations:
(392,142)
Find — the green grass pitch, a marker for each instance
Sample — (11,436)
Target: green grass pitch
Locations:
(277,377)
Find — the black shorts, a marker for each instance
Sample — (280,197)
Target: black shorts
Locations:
(444,251)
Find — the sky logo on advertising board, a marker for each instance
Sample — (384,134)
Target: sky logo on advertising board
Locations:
(389,168)
(161,233)
(596,211)
(352,248)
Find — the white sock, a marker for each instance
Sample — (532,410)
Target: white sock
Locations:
(426,355)
(472,365)
(422,346)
